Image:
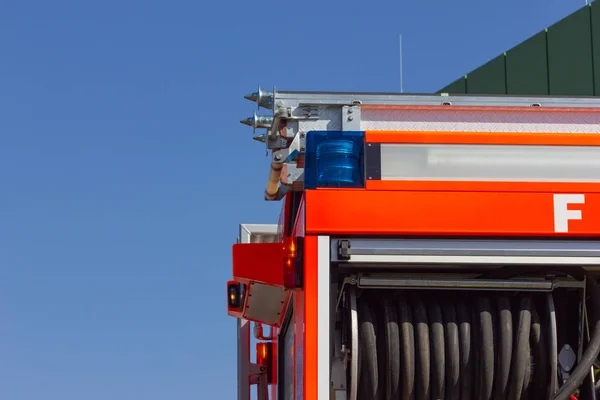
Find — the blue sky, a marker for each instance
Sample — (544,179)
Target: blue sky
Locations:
(125,171)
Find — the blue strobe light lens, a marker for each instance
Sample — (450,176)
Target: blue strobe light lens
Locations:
(334,159)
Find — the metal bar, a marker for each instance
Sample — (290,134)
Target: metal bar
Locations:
(354,348)
(496,260)
(243,359)
(463,284)
(470,251)
(474,247)
(347,98)
(262,388)
(323,319)
(553,346)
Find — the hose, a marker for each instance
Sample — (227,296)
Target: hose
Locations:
(466,355)
(451,347)
(452,352)
(407,349)
(505,331)
(392,350)
(592,350)
(466,346)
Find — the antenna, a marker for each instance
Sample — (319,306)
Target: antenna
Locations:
(401,80)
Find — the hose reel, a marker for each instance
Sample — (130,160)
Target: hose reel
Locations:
(467,344)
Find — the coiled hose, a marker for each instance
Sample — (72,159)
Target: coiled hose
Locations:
(473,346)
(416,347)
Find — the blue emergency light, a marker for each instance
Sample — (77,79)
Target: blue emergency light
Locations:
(334,159)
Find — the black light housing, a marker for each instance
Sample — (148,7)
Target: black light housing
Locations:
(234,296)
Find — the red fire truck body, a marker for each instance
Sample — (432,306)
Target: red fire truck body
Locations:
(429,246)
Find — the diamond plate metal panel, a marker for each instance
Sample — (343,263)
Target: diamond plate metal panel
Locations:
(330,119)
(480,120)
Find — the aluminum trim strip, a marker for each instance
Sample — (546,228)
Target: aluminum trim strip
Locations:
(323,318)
(473,247)
(346,98)
(416,259)
(473,284)
(479,120)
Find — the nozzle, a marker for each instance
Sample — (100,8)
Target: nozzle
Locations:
(258,121)
(260,138)
(261,98)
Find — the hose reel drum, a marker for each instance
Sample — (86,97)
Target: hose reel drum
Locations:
(496,336)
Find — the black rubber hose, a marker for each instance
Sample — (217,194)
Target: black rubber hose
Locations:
(392,350)
(527,375)
(540,355)
(486,343)
(438,351)
(593,348)
(380,345)
(422,353)
(521,350)
(452,352)
(466,355)
(370,371)
(505,340)
(407,346)
(475,343)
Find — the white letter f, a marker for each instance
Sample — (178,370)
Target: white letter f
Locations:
(562,214)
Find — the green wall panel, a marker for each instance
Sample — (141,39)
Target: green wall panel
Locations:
(488,79)
(563,60)
(595,9)
(527,67)
(459,86)
(570,55)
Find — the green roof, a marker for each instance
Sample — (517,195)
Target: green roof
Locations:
(564,59)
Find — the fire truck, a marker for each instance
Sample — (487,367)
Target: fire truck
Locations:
(428,247)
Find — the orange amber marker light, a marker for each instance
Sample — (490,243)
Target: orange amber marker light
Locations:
(264,350)
(292,263)
(262,353)
(289,247)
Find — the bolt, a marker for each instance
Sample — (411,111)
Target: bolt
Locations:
(277,157)
(302,135)
(302,148)
(567,347)
(350,117)
(350,111)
